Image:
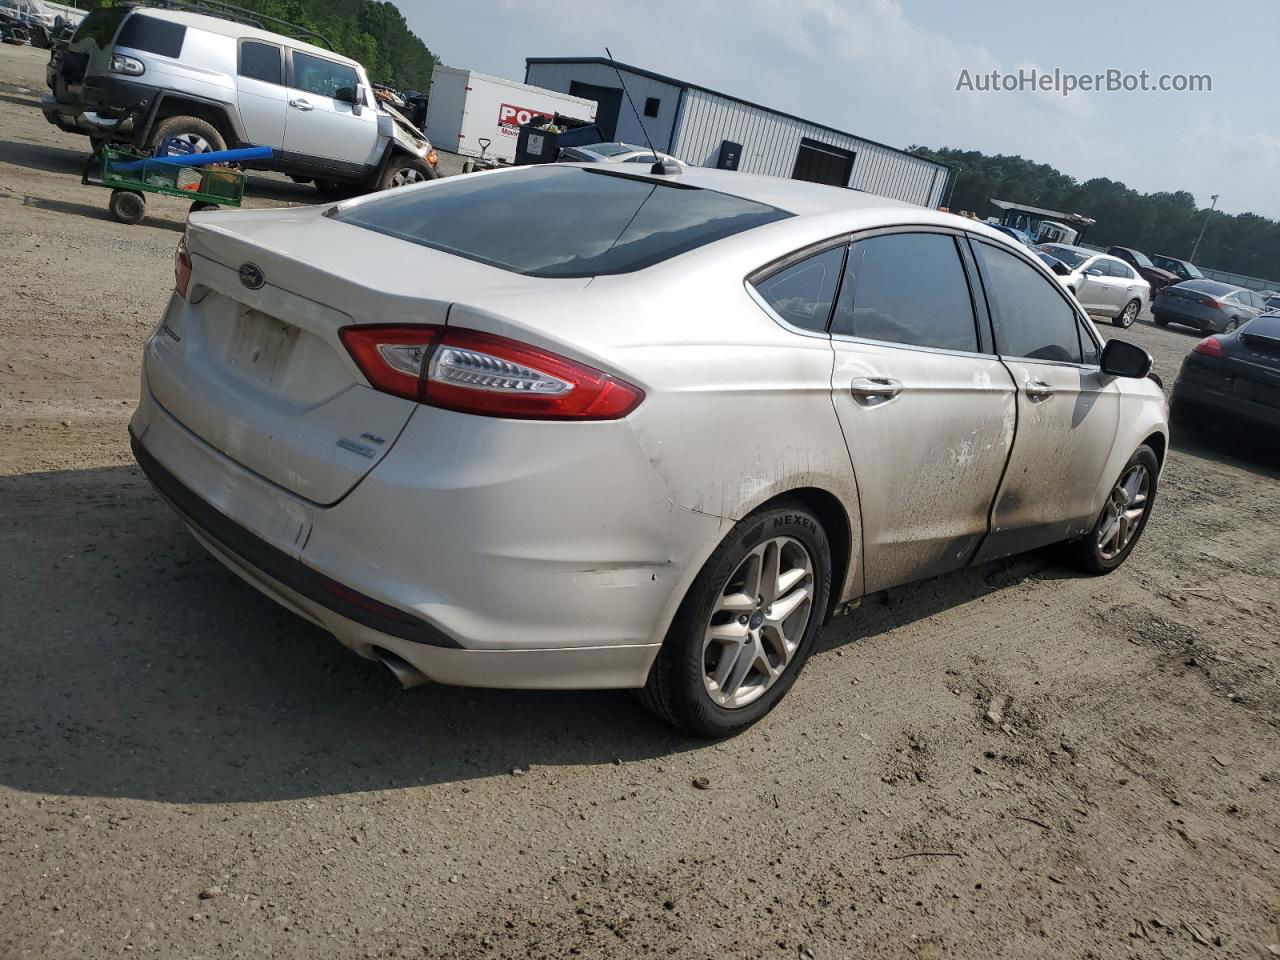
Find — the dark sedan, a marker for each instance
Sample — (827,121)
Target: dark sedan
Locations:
(1237,374)
(1155,275)
(1183,269)
(1206,305)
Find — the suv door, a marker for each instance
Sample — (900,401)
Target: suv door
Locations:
(319,124)
(926,409)
(261,92)
(1068,411)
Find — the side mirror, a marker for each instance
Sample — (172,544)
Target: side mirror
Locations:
(1093,272)
(1121,359)
(352,95)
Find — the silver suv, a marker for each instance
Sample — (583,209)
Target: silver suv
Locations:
(139,75)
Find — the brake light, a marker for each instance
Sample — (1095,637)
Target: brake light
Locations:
(1210,302)
(182,268)
(1209,347)
(481,373)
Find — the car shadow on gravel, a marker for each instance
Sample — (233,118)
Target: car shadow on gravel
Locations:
(44,158)
(1215,437)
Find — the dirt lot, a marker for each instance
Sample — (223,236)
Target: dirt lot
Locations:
(188,771)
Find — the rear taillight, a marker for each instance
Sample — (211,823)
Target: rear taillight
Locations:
(181,268)
(1209,302)
(1209,347)
(480,373)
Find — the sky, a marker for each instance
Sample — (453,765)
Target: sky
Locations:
(889,69)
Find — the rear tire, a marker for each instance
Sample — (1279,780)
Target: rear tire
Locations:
(1119,526)
(691,685)
(1124,319)
(1160,321)
(1231,325)
(201,134)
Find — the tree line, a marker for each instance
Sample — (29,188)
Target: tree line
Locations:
(373,32)
(1162,222)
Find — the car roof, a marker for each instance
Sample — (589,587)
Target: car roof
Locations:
(240,31)
(1165,256)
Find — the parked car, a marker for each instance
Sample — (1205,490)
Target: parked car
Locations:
(1103,284)
(1156,277)
(615,153)
(651,435)
(27,22)
(1270,301)
(1021,236)
(1235,376)
(1206,305)
(1182,269)
(143,75)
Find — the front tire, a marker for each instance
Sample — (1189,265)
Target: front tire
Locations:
(404,171)
(1124,319)
(1123,518)
(746,626)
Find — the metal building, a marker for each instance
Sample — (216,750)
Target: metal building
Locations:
(711,129)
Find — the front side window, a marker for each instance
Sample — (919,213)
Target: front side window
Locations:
(324,78)
(152,35)
(907,288)
(590,222)
(802,293)
(1031,317)
(260,61)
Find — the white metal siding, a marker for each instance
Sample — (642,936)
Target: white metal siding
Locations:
(771,142)
(559,76)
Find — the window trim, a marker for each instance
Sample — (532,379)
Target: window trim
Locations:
(1083,324)
(775,267)
(284,70)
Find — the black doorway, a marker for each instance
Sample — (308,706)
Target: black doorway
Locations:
(608,102)
(823,163)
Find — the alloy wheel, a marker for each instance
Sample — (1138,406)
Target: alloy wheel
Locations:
(758,622)
(1122,515)
(405,176)
(197,143)
(1130,314)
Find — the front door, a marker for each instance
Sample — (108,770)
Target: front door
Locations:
(321,122)
(1068,411)
(927,411)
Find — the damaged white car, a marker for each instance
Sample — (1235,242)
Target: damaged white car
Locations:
(573,426)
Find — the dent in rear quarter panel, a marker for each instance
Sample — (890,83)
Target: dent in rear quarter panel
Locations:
(728,426)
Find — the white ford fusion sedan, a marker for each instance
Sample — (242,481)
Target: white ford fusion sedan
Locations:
(574,427)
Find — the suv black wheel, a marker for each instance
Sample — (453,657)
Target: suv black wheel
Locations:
(746,626)
(404,170)
(200,134)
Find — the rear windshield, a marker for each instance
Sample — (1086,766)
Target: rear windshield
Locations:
(1072,258)
(559,221)
(152,36)
(100,26)
(1208,286)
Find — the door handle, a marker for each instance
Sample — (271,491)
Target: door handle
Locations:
(870,389)
(1038,390)
(301,104)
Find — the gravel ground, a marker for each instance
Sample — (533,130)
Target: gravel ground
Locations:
(188,771)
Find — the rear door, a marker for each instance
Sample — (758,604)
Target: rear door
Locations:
(1125,282)
(261,92)
(926,409)
(320,121)
(1068,411)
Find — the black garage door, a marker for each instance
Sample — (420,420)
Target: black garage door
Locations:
(823,163)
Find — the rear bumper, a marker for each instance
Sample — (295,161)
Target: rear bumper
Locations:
(1187,391)
(483,585)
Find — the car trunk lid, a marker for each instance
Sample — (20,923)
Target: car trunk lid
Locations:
(254,365)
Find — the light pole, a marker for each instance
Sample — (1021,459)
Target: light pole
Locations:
(1214,198)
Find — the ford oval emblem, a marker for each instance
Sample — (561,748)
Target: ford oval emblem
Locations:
(251,275)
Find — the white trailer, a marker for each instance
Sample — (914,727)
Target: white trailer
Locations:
(466,107)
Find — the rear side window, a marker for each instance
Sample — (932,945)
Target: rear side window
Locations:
(1118,269)
(260,61)
(560,221)
(160,37)
(1032,319)
(802,293)
(323,77)
(100,26)
(907,288)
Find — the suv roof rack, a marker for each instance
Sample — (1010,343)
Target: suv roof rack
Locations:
(239,14)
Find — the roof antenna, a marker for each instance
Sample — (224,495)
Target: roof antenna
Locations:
(660,168)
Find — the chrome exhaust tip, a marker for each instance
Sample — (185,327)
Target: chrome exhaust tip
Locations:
(405,673)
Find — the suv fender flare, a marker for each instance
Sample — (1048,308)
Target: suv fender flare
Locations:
(166,98)
(389,153)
